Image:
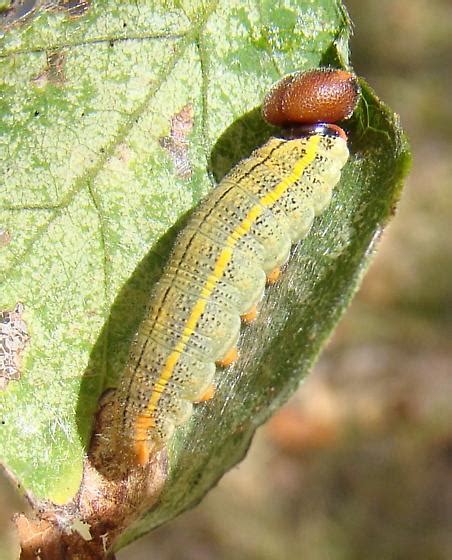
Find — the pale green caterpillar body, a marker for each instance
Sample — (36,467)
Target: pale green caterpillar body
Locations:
(216,274)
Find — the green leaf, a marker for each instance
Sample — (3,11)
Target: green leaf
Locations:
(93,196)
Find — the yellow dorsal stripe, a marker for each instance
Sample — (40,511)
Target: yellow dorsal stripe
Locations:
(220,265)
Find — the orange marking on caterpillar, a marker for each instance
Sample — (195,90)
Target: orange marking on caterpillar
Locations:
(231,357)
(273,276)
(250,316)
(208,394)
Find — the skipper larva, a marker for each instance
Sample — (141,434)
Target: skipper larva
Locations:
(234,242)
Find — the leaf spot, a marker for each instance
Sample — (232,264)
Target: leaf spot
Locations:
(176,144)
(74,7)
(13,339)
(21,12)
(5,237)
(53,72)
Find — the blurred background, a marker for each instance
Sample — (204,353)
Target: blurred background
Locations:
(359,463)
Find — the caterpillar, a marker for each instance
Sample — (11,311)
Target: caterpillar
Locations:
(235,242)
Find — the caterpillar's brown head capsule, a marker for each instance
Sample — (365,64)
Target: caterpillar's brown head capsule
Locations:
(316,96)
